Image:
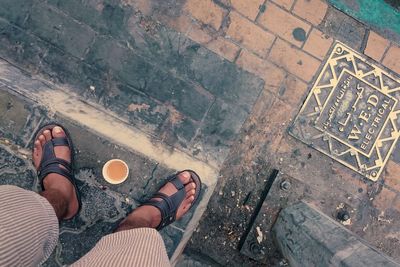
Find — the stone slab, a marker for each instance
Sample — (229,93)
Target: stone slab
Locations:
(308,237)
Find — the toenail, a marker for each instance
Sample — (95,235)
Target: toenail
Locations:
(57,129)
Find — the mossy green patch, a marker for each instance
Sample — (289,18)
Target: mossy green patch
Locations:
(376,13)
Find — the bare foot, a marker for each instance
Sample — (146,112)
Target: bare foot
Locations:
(58,190)
(149,216)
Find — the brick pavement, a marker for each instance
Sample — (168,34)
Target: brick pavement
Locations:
(265,33)
(285,42)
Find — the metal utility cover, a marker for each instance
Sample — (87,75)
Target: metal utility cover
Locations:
(351,112)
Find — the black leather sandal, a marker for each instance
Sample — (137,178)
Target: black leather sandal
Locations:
(168,205)
(51,164)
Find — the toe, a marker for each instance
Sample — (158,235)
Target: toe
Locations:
(47,135)
(37,153)
(184,177)
(58,132)
(37,148)
(187,206)
(42,140)
(190,186)
(191,199)
(191,193)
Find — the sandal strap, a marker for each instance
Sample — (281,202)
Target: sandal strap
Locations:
(176,182)
(168,205)
(55,168)
(60,141)
(59,161)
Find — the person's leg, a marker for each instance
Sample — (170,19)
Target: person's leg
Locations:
(136,242)
(28,227)
(29,221)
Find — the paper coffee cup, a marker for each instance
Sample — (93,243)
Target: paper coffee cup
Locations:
(115,171)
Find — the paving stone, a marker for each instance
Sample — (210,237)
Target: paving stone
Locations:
(104,17)
(249,34)
(311,10)
(396,204)
(137,72)
(298,234)
(376,46)
(293,90)
(384,199)
(191,261)
(392,58)
(271,74)
(171,237)
(344,28)
(222,124)
(21,47)
(60,30)
(219,45)
(183,96)
(143,111)
(392,175)
(287,4)
(224,48)
(15,10)
(318,44)
(282,23)
(194,62)
(359,185)
(294,60)
(249,9)
(183,24)
(14,169)
(13,118)
(139,108)
(279,116)
(237,87)
(206,11)
(198,34)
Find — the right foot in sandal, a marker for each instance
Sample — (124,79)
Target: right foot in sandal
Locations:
(150,216)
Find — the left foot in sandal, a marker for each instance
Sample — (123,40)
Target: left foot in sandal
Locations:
(58,190)
(150,216)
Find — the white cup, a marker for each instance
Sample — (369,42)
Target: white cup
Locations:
(115,171)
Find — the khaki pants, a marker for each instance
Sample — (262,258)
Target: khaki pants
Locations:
(29,234)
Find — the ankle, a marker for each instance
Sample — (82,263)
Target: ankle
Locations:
(58,201)
(133,223)
(59,183)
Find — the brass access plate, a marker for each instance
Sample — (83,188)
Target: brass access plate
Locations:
(352,112)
